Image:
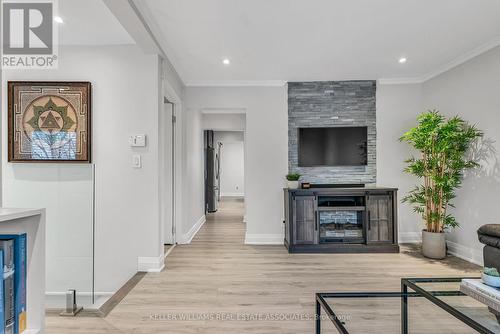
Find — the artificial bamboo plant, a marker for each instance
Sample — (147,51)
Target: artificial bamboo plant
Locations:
(443,144)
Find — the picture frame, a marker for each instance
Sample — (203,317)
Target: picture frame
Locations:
(49,121)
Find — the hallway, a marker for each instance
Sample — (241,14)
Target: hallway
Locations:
(216,282)
(226,224)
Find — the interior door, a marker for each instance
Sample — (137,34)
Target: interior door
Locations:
(304,220)
(379,218)
(168,168)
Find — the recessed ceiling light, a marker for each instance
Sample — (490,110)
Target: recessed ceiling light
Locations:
(402,60)
(226,61)
(58,19)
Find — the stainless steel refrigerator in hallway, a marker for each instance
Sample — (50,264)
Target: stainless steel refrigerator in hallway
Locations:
(212,172)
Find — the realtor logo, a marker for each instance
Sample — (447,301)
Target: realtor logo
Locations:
(28,35)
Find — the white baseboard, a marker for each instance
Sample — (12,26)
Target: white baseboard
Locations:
(409,237)
(264,239)
(186,238)
(469,254)
(151,264)
(232,194)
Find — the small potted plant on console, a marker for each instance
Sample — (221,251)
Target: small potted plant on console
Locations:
(443,145)
(293,180)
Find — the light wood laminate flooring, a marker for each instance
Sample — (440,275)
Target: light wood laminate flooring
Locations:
(223,286)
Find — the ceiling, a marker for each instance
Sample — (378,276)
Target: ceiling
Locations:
(295,40)
(89,22)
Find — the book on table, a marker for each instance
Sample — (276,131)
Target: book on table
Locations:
(8,300)
(483,293)
(2,298)
(14,258)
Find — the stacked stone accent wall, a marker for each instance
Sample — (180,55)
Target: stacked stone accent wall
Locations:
(329,104)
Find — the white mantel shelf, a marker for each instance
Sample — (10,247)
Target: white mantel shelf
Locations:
(31,222)
(7,214)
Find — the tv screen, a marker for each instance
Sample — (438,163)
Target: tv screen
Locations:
(337,146)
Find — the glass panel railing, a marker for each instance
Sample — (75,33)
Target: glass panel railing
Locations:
(66,191)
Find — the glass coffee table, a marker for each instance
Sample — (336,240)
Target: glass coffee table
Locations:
(424,305)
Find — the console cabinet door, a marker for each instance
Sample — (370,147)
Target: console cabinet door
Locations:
(379,218)
(304,220)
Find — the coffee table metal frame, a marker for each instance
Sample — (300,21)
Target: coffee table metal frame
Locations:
(406,285)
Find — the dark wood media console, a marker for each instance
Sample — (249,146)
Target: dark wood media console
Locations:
(341,220)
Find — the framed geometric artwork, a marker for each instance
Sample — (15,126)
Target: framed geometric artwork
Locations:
(49,121)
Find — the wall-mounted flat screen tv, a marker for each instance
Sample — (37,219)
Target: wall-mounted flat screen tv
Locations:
(333,146)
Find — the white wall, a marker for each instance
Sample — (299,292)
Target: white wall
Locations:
(229,136)
(232,176)
(397,109)
(193,198)
(125,90)
(266,153)
(472,91)
(224,122)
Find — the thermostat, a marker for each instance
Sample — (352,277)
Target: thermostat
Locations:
(137,140)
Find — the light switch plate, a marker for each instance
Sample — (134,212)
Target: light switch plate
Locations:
(136,161)
(137,140)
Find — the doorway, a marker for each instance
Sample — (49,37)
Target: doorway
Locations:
(168,171)
(224,169)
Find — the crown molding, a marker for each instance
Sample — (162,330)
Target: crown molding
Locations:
(237,83)
(445,68)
